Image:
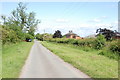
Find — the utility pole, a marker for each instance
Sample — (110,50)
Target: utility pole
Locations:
(119,26)
(44,35)
(44,30)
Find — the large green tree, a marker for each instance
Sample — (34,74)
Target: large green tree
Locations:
(21,19)
(20,25)
(32,23)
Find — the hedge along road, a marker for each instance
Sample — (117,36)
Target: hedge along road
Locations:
(42,63)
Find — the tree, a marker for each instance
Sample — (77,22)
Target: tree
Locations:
(57,34)
(44,36)
(109,34)
(20,25)
(4,19)
(25,21)
(32,23)
(39,36)
(47,36)
(19,16)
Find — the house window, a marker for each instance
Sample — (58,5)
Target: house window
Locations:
(74,36)
(68,36)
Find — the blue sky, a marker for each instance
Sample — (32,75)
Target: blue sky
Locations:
(81,17)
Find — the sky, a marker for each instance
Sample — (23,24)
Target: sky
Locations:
(83,18)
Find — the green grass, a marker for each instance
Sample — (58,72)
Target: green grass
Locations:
(94,65)
(0,59)
(13,58)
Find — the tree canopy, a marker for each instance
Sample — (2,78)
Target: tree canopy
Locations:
(21,19)
(109,34)
(20,25)
(57,34)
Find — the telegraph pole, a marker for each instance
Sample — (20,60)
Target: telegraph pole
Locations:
(44,30)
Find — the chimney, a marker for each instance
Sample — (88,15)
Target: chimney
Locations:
(70,31)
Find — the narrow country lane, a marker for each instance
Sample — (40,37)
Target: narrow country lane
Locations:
(42,63)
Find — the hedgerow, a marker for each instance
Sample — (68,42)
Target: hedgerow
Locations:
(115,47)
(80,42)
(111,49)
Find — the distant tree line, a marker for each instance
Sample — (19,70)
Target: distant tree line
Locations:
(108,34)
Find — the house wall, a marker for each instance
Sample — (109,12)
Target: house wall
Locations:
(67,36)
(117,37)
(77,37)
(73,36)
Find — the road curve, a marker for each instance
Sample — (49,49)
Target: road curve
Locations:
(41,63)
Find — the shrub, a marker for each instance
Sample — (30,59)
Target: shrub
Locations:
(39,36)
(75,42)
(8,35)
(71,41)
(99,42)
(28,36)
(115,48)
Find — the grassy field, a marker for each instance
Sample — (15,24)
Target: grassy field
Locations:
(94,65)
(13,57)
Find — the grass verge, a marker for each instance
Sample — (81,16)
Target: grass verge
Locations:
(94,65)
(13,58)
(0,59)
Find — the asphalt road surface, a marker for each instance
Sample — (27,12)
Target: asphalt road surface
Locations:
(41,63)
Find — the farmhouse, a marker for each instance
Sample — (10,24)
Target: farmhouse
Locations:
(72,35)
(117,35)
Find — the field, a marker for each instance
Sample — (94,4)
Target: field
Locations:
(94,65)
(13,58)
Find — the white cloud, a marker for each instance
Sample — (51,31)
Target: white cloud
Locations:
(115,22)
(102,25)
(103,17)
(82,29)
(62,20)
(95,20)
(98,19)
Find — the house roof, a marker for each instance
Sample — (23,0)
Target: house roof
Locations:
(71,33)
(91,36)
(117,34)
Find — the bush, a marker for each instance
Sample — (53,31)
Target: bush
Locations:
(28,36)
(8,35)
(100,42)
(71,41)
(39,37)
(115,48)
